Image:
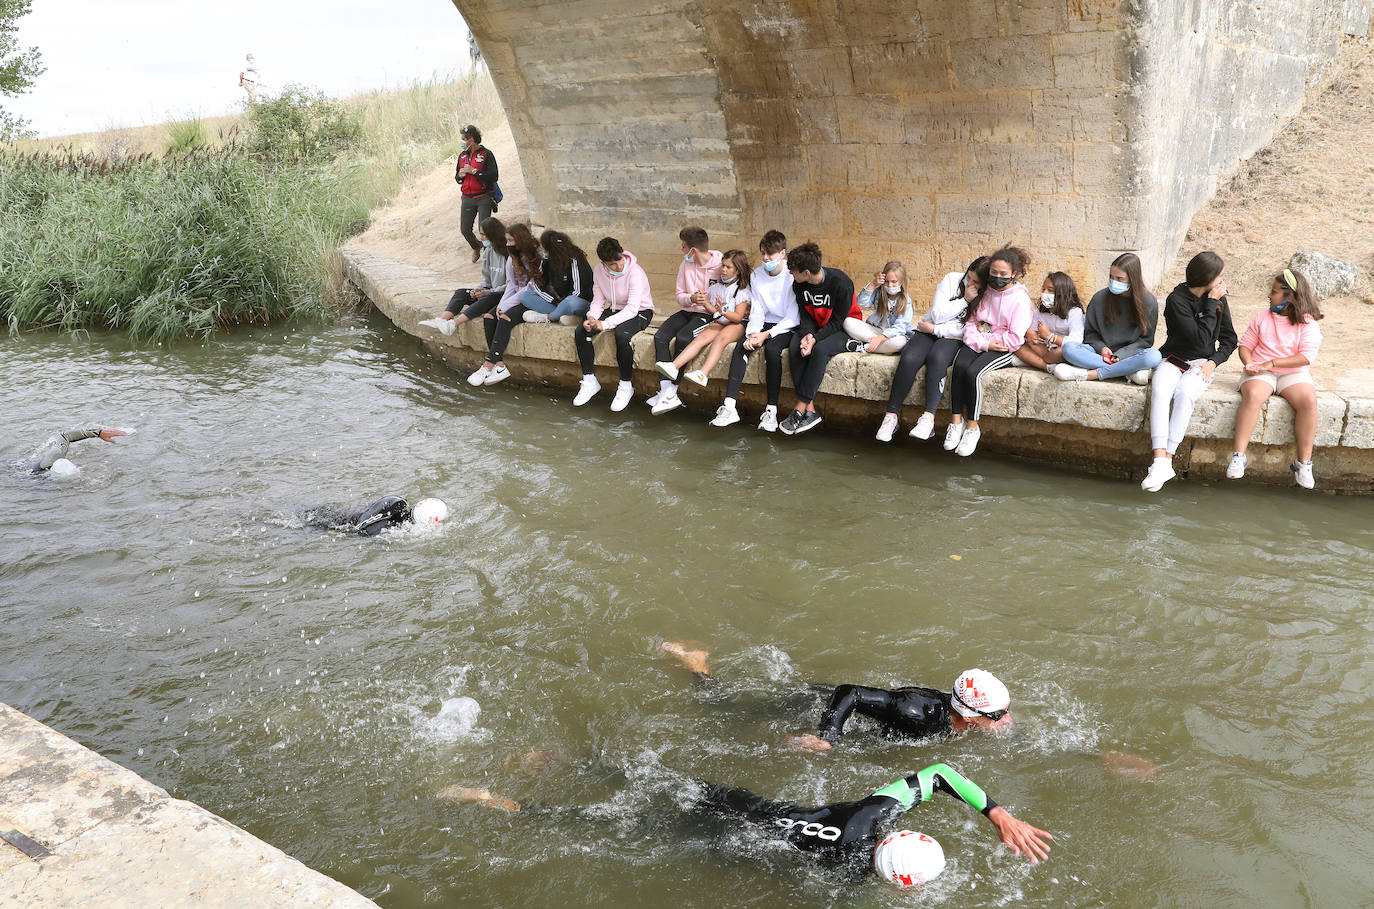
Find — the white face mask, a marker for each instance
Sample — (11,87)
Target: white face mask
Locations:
(1047,301)
(893,293)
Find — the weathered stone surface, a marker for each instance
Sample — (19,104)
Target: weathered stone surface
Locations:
(119,841)
(1094,426)
(1329,277)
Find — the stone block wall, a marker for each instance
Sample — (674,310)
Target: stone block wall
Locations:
(924,130)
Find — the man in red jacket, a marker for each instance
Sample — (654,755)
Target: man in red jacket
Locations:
(476,177)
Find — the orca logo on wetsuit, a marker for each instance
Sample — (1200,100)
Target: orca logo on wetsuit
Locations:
(811,828)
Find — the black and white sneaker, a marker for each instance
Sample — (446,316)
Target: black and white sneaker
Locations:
(789,426)
(809,420)
(854,345)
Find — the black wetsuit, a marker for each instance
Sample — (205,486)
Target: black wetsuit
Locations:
(386,512)
(844,835)
(902,713)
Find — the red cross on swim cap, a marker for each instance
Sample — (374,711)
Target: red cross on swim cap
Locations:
(978,692)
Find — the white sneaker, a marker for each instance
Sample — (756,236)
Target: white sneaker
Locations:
(667,370)
(669,401)
(726,415)
(1236,469)
(499,374)
(698,377)
(968,442)
(1302,474)
(480,376)
(623,393)
(533,317)
(924,428)
(587,391)
(768,422)
(953,433)
(1141,376)
(571,320)
(1161,472)
(436,324)
(448,326)
(654,399)
(887,429)
(1069,373)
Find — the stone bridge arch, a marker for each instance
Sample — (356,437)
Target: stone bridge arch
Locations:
(925,130)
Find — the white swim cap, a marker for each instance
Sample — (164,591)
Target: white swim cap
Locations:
(977,692)
(429,511)
(909,859)
(63,468)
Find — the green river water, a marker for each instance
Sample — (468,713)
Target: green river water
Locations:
(166,608)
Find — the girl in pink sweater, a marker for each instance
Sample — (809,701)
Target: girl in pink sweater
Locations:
(992,333)
(1278,350)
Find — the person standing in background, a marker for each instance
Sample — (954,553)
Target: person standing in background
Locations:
(248,79)
(476,177)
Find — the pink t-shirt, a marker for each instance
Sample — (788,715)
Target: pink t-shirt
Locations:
(1273,337)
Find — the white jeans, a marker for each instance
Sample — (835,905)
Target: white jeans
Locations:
(1181,389)
(860,330)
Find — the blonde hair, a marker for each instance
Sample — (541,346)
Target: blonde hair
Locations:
(903,302)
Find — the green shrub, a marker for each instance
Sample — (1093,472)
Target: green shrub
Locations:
(185,136)
(300,125)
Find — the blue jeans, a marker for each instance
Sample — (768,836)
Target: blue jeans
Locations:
(1084,357)
(570,306)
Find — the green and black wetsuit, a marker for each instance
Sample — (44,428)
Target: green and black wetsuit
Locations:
(844,835)
(903,713)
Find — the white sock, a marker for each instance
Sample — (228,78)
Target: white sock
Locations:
(729,402)
(625,386)
(589,379)
(1168,462)
(664,386)
(771,408)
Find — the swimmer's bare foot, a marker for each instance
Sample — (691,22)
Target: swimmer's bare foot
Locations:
(477,796)
(1130,765)
(692,660)
(808,742)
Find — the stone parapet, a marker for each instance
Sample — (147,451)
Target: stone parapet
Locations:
(96,834)
(1099,427)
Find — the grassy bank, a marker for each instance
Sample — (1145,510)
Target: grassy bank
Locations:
(204,230)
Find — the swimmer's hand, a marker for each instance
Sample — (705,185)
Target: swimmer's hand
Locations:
(109,435)
(808,742)
(478,796)
(692,660)
(1021,838)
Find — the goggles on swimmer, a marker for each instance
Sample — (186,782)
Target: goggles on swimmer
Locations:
(993,715)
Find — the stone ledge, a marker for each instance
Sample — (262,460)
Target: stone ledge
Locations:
(1108,419)
(118,840)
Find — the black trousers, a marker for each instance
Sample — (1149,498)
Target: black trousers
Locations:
(808,371)
(498,331)
(966,390)
(624,353)
(772,364)
(935,354)
(678,330)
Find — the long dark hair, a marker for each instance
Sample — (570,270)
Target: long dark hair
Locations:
(526,258)
(495,231)
(1304,301)
(974,266)
(562,252)
(740,261)
(1065,294)
(1203,269)
(1112,304)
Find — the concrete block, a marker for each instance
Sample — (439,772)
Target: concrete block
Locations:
(1000,392)
(890,215)
(841,375)
(1019,62)
(938,168)
(901,68)
(1095,405)
(873,119)
(1214,416)
(1277,426)
(873,377)
(1359,422)
(959,217)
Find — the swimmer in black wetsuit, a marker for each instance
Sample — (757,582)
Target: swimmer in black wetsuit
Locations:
(844,835)
(383,514)
(56,446)
(977,699)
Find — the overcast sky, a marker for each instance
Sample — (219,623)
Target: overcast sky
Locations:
(131,62)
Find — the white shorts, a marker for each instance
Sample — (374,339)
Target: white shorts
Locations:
(1282,381)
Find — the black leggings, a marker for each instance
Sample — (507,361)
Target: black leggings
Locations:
(966,392)
(809,371)
(498,331)
(935,354)
(772,363)
(624,353)
(678,330)
(463,302)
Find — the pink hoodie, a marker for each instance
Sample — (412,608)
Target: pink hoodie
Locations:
(693,277)
(1008,313)
(1273,337)
(627,293)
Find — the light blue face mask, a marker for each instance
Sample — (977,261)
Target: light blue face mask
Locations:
(613,273)
(1117,287)
(486,244)
(772,266)
(731,281)
(689,256)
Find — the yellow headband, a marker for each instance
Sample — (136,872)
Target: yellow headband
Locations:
(1291,281)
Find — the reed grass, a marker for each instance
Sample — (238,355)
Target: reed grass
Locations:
(199,235)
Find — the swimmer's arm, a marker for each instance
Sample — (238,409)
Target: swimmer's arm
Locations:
(1018,836)
(465,794)
(80,435)
(735,800)
(845,700)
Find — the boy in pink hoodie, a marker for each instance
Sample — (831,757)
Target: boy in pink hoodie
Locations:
(996,329)
(618,283)
(700,269)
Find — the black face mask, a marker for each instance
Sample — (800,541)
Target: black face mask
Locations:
(998,283)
